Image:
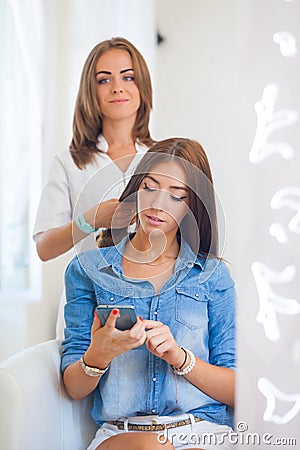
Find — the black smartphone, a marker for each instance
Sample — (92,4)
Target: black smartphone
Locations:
(126,318)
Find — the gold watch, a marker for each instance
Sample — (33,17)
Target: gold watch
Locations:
(92,371)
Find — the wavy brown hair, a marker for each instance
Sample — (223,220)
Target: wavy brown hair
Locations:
(87,121)
(199,227)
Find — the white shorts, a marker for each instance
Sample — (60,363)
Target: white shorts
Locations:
(204,434)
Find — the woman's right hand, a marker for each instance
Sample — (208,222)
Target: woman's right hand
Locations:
(111,214)
(107,341)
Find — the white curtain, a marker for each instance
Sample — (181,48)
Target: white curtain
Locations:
(21,140)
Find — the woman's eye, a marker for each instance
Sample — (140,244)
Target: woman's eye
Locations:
(103,81)
(129,78)
(147,188)
(178,199)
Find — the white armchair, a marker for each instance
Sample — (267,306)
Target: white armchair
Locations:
(36,413)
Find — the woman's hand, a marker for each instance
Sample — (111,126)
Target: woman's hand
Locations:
(161,343)
(107,341)
(111,214)
(215,381)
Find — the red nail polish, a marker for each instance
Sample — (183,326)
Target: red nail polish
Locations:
(140,317)
(115,311)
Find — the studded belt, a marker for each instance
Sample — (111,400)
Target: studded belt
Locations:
(154,426)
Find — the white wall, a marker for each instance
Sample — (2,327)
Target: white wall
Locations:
(195,95)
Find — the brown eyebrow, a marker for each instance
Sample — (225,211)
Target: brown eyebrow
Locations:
(171,187)
(106,72)
(126,70)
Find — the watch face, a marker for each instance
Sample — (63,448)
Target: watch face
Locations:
(92,371)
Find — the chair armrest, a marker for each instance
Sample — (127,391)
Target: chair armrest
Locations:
(35,410)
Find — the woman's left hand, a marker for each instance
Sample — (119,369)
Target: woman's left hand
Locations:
(160,342)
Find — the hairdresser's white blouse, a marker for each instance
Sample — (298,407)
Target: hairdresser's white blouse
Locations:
(70,191)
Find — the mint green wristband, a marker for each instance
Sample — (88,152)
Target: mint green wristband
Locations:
(84,226)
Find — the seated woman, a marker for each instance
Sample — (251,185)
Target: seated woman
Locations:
(168,381)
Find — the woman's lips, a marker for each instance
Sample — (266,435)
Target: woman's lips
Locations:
(154,220)
(119,101)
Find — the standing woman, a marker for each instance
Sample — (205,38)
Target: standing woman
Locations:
(110,130)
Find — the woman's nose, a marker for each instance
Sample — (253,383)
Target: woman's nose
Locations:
(117,87)
(116,90)
(158,201)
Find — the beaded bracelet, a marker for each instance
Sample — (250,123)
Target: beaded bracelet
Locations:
(188,368)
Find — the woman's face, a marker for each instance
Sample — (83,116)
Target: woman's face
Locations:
(163,198)
(118,95)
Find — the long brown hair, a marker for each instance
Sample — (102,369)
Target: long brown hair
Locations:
(199,227)
(87,122)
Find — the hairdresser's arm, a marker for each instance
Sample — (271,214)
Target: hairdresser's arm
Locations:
(106,343)
(56,241)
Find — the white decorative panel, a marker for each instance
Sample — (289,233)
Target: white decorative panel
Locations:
(268,273)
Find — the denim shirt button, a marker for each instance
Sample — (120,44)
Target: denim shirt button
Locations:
(153,411)
(154,379)
(196,295)
(111,299)
(155,313)
(190,265)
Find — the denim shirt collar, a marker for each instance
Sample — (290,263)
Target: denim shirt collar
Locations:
(113,258)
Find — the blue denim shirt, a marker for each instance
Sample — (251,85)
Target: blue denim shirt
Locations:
(197,303)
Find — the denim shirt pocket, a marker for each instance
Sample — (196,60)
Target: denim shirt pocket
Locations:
(191,307)
(119,296)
